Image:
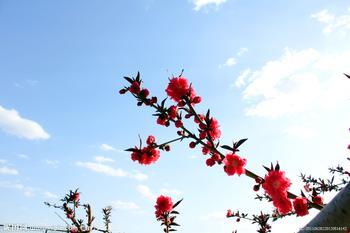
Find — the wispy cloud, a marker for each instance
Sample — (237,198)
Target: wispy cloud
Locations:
(231,61)
(111,171)
(139,176)
(102,168)
(11,122)
(102,159)
(172,192)
(242,51)
(106,147)
(53,163)
(299,81)
(3,161)
(5,169)
(23,156)
(26,190)
(332,22)
(49,195)
(199,4)
(8,171)
(243,78)
(145,191)
(122,205)
(28,82)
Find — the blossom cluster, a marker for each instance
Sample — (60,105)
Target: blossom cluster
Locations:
(207,136)
(165,212)
(276,186)
(148,154)
(182,93)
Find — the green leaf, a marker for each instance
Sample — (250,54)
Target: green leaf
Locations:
(240,142)
(227,147)
(138,76)
(177,203)
(267,169)
(208,114)
(129,79)
(131,150)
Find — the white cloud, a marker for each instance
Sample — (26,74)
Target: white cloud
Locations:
(332,22)
(8,171)
(3,161)
(49,195)
(23,156)
(242,78)
(146,192)
(242,51)
(26,190)
(28,82)
(199,4)
(299,81)
(102,168)
(173,192)
(139,176)
(11,122)
(106,147)
(230,62)
(102,159)
(122,205)
(53,163)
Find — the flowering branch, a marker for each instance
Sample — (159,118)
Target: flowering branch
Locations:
(70,203)
(209,132)
(166,213)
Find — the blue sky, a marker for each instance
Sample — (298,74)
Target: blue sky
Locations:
(270,71)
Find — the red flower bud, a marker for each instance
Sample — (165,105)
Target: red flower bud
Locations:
(178,124)
(181,103)
(229,213)
(317,200)
(122,91)
(258,180)
(76,197)
(202,126)
(300,206)
(153,100)
(256,187)
(201,117)
(197,100)
(167,148)
(144,93)
(210,162)
(173,112)
(135,88)
(192,145)
(202,135)
(161,120)
(150,140)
